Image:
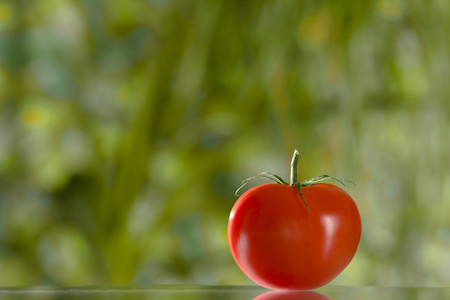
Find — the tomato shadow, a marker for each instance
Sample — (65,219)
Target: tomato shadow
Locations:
(292,295)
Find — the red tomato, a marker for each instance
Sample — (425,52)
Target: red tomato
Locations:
(279,244)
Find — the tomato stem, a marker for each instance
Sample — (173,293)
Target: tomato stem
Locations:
(268,175)
(294,163)
(294,178)
(320,178)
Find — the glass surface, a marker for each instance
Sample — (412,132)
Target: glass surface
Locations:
(166,292)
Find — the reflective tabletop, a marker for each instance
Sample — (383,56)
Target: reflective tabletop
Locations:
(166,292)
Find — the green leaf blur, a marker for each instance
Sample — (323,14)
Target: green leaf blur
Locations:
(127,126)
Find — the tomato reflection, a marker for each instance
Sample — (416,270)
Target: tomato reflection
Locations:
(292,295)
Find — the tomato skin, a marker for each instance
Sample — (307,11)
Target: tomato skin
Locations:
(279,244)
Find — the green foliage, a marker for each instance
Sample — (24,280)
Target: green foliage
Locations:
(126,127)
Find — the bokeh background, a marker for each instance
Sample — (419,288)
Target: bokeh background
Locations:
(127,126)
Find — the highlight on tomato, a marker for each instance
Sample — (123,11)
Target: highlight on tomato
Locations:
(297,235)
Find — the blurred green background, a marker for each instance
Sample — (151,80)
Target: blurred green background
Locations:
(127,126)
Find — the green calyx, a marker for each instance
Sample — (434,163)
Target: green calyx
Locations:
(293,178)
